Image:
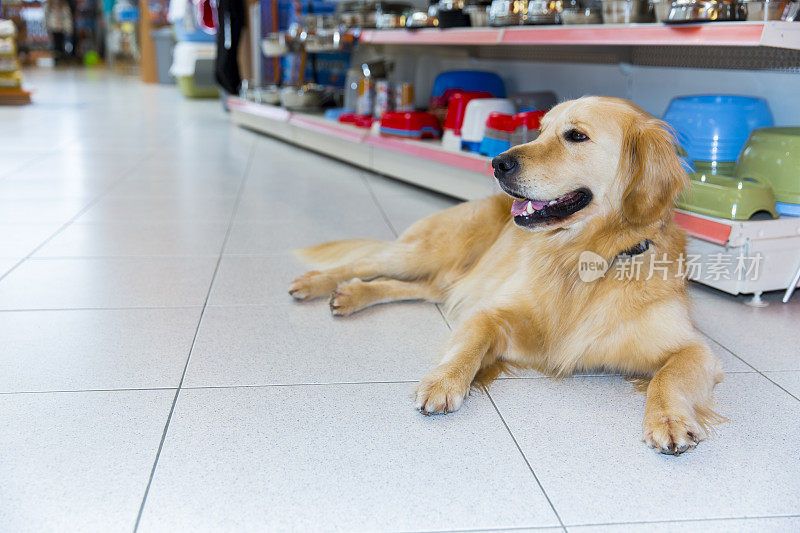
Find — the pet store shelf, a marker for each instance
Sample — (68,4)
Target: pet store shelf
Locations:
(774,34)
(719,241)
(423,163)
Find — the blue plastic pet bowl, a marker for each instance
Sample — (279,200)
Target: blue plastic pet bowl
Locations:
(335,113)
(469,80)
(471,146)
(789,210)
(714,127)
(493,147)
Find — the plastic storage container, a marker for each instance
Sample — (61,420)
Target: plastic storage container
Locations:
(193,68)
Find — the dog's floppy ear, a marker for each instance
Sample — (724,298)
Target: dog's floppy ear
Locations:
(651,170)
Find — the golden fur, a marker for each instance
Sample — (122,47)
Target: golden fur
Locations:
(514,294)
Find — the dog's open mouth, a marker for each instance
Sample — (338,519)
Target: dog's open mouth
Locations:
(528,212)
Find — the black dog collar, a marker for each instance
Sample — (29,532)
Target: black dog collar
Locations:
(637,249)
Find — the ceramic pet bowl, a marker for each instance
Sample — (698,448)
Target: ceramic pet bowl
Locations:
(714,127)
(727,197)
(772,156)
(475,120)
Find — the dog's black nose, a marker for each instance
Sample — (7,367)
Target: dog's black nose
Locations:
(505,165)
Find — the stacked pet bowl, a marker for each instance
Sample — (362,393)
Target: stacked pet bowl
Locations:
(771,157)
(447,84)
(497,134)
(712,129)
(453,122)
(410,124)
(477,113)
(526,127)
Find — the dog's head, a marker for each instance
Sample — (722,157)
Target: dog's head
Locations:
(594,157)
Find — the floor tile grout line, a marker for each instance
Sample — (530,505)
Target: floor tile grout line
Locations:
(135,256)
(70,391)
(513,528)
(683,520)
(77,215)
(296,384)
(525,458)
(194,339)
(386,219)
(131,308)
(307,384)
(748,364)
(45,153)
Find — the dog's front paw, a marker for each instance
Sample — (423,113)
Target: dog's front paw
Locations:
(671,434)
(310,285)
(347,298)
(439,393)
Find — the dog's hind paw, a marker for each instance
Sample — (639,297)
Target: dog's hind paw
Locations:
(310,285)
(672,435)
(439,394)
(346,300)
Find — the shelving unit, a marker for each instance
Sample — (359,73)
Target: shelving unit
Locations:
(773,34)
(424,163)
(646,63)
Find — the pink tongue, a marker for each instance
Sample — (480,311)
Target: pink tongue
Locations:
(520,207)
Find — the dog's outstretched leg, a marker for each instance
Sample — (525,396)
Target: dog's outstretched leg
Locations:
(678,411)
(448,241)
(474,344)
(355,295)
(393,261)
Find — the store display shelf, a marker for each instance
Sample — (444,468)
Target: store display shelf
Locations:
(342,131)
(771,248)
(424,163)
(431,151)
(774,34)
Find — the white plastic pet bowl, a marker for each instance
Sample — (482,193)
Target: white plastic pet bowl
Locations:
(477,112)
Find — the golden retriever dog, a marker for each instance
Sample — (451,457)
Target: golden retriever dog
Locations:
(601,178)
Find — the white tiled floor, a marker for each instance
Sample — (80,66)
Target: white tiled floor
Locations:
(155,375)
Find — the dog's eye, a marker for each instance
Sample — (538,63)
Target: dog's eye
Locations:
(576,136)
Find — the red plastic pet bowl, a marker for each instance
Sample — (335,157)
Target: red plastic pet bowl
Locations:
(529,119)
(501,123)
(458,105)
(362,121)
(410,124)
